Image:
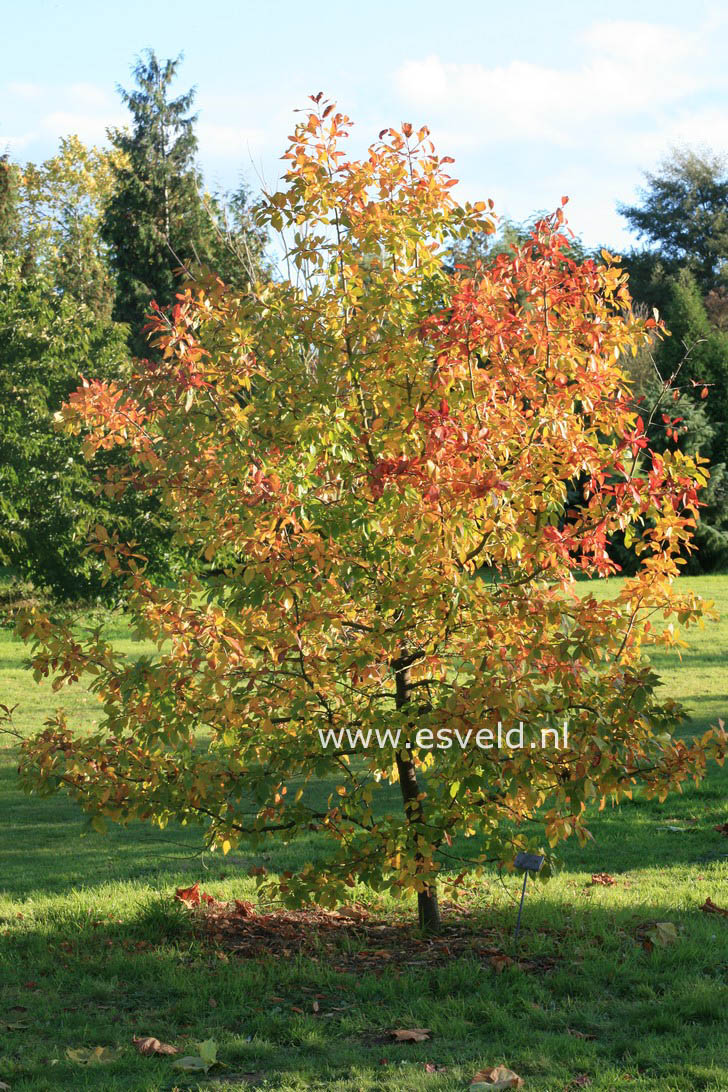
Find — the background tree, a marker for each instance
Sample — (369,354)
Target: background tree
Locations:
(328,444)
(154,220)
(9,215)
(673,405)
(695,357)
(60,204)
(159,220)
(684,215)
(48,497)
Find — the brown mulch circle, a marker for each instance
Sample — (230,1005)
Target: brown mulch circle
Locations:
(351,941)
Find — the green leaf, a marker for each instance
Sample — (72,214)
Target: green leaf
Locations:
(208,1052)
(197,1064)
(663,933)
(96,1056)
(190,1065)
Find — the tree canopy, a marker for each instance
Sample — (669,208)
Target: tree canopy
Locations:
(348,448)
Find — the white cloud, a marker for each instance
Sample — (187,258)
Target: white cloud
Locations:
(50,112)
(619,97)
(89,95)
(27,91)
(91,128)
(627,70)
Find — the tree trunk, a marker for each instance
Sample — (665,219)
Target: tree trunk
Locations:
(427,904)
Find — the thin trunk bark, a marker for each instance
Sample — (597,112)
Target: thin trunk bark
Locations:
(427,904)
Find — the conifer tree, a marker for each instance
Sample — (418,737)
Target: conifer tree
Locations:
(155,222)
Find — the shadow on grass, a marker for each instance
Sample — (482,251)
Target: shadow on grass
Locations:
(608,1008)
(45,848)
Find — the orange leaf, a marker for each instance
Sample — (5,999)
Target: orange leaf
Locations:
(190,896)
(147,1044)
(602,879)
(497,1077)
(411,1035)
(500,962)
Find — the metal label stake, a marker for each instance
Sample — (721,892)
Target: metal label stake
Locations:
(529,862)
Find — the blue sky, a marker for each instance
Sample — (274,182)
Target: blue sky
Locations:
(533,99)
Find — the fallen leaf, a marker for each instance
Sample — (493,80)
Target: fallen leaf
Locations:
(579,1034)
(190,896)
(353,913)
(96,1056)
(602,879)
(582,1081)
(709,907)
(411,1035)
(496,1078)
(208,1051)
(147,1044)
(500,962)
(663,933)
(722,828)
(245,909)
(4,1087)
(430,1067)
(190,1064)
(202,1062)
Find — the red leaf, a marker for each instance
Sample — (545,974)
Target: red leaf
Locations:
(244,908)
(190,896)
(709,907)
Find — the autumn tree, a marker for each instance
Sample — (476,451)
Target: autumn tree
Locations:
(374,456)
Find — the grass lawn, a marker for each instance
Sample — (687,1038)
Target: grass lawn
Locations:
(94,950)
